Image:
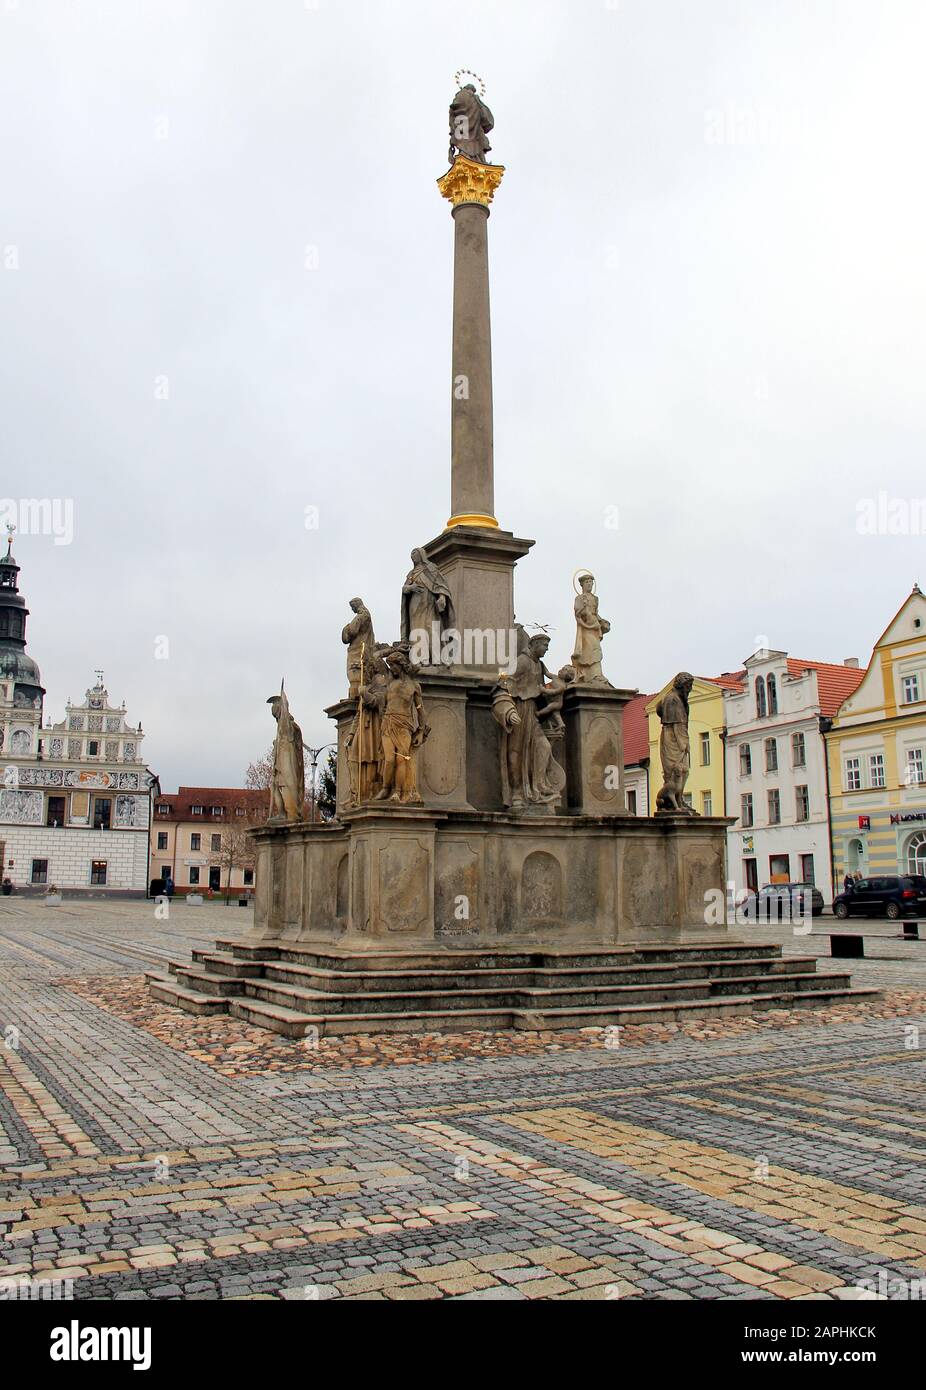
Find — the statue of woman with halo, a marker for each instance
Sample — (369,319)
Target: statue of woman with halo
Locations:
(590,628)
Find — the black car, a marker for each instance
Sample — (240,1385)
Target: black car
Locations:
(799,896)
(886,895)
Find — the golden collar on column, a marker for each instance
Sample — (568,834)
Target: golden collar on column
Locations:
(467,181)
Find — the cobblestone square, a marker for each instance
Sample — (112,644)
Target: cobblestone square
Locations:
(145,1153)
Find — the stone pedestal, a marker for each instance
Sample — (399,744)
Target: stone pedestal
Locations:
(594,752)
(478,564)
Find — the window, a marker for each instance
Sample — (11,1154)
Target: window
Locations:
(686,797)
(216,843)
(705,750)
(40,871)
(102,812)
(761,710)
(745,760)
(915,775)
(771,753)
(779,867)
(853,775)
(194,877)
(216,810)
(196,810)
(631,803)
(774,807)
(163,808)
(911,689)
(93,748)
(746,808)
(798,751)
(876,769)
(98,871)
(772,687)
(807,869)
(706,804)
(916,854)
(165,871)
(162,839)
(195,840)
(55,813)
(751,874)
(239,811)
(248,877)
(802,803)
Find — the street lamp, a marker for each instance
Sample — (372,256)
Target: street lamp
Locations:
(313,758)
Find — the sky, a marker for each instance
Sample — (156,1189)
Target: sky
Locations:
(225,299)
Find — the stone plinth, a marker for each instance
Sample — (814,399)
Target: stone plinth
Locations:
(478,564)
(594,753)
(424,877)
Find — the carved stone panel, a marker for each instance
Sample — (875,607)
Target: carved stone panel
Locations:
(541,887)
(403,885)
(442,754)
(457,898)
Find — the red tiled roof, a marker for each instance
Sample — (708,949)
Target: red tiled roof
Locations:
(636,730)
(229,798)
(834,683)
(727,680)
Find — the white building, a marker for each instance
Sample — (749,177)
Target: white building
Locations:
(775,772)
(75,796)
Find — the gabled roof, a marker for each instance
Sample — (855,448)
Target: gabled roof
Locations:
(255,803)
(727,680)
(834,683)
(636,730)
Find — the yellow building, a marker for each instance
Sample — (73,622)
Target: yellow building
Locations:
(876,756)
(704,790)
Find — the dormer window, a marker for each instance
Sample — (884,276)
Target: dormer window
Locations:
(761,708)
(772,687)
(163,808)
(216,810)
(196,810)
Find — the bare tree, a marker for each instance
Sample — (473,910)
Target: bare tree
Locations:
(237,851)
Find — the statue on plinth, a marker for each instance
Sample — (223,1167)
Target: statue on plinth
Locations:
(403,729)
(470,122)
(530,774)
(358,637)
(674,748)
(427,609)
(590,628)
(363,747)
(287,778)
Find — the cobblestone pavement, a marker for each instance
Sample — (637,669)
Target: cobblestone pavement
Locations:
(148,1154)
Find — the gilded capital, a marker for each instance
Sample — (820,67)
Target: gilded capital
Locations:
(466,181)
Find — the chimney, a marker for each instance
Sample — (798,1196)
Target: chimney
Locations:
(851,661)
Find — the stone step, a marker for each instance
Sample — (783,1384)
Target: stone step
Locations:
(293,1023)
(450,1001)
(192,1001)
(401,981)
(494,957)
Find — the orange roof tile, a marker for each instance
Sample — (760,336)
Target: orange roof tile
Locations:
(835,683)
(636,730)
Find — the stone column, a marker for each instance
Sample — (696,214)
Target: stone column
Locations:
(470,187)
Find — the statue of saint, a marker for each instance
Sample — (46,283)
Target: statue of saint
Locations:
(427,609)
(403,729)
(287,780)
(363,747)
(358,638)
(530,774)
(674,750)
(590,628)
(470,122)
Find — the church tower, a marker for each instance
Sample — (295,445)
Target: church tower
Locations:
(21,690)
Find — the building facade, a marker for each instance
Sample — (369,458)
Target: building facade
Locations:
(876,750)
(776,782)
(199,837)
(636,755)
(705,789)
(75,799)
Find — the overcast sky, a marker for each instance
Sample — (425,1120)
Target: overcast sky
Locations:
(225,298)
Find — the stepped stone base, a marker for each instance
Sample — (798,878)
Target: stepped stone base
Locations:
(292,988)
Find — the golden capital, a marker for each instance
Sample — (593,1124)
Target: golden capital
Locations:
(467,181)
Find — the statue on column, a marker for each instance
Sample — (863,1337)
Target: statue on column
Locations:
(470,122)
(363,747)
(526,708)
(427,609)
(287,778)
(358,638)
(674,748)
(403,729)
(590,628)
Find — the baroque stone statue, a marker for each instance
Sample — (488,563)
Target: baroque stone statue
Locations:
(427,609)
(674,749)
(358,637)
(590,628)
(287,779)
(470,122)
(527,710)
(402,727)
(364,743)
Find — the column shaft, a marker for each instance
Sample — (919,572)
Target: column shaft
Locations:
(472,465)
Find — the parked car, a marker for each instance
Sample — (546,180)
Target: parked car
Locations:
(792,893)
(888,895)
